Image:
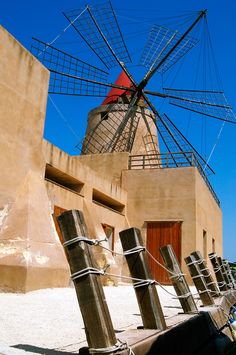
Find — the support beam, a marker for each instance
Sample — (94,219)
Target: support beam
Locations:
(199,281)
(146,293)
(178,280)
(224,272)
(98,325)
(229,272)
(211,285)
(217,270)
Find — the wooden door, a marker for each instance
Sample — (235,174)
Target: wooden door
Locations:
(158,235)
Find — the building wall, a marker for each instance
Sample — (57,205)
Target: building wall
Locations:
(174,195)
(208,219)
(31,256)
(101,197)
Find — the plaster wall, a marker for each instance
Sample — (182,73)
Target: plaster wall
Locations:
(31,256)
(174,195)
(208,219)
(88,174)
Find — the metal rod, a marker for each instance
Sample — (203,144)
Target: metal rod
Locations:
(84,38)
(125,88)
(158,94)
(145,80)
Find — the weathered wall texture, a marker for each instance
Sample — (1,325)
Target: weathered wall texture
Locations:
(31,256)
(174,195)
(208,219)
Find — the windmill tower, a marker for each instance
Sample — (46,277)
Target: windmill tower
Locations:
(104,122)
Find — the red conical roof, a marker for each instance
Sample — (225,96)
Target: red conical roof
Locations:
(115,93)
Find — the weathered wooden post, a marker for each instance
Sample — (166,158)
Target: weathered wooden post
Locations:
(86,277)
(199,281)
(224,272)
(146,293)
(230,275)
(211,285)
(178,280)
(217,270)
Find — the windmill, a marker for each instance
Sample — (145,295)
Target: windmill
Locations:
(115,127)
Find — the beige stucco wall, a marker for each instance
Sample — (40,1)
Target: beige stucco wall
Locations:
(208,218)
(178,194)
(31,256)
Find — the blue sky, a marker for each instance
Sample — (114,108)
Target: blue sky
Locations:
(66,116)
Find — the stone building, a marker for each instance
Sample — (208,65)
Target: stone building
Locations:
(114,190)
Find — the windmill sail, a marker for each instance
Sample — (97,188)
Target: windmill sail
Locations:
(157,43)
(175,142)
(209,103)
(99,28)
(65,68)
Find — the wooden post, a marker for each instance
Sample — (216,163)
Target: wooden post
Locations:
(211,285)
(230,275)
(224,272)
(217,270)
(98,325)
(146,293)
(178,280)
(199,281)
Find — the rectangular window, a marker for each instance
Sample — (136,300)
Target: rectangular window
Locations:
(205,245)
(213,245)
(110,233)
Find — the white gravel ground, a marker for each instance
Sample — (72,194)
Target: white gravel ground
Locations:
(51,318)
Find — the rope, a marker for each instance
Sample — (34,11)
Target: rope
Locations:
(119,346)
(134,250)
(144,283)
(83,239)
(63,118)
(63,31)
(197,276)
(87,271)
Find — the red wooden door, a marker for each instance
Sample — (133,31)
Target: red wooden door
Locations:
(158,235)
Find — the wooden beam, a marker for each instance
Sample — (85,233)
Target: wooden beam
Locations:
(85,275)
(218,273)
(224,272)
(199,281)
(146,293)
(178,280)
(211,285)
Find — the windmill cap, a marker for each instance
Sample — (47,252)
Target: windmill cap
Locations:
(115,93)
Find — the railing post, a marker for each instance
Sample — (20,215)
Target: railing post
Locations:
(98,325)
(199,281)
(229,272)
(178,280)
(224,272)
(146,293)
(217,270)
(211,285)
